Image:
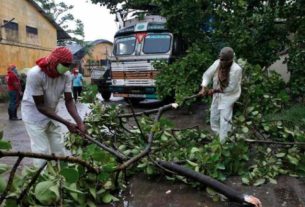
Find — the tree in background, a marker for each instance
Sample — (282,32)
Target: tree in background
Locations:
(258,30)
(60,12)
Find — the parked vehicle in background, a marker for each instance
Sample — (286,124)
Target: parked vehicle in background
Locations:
(100,76)
(137,45)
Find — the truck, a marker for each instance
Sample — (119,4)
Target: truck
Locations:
(100,76)
(137,45)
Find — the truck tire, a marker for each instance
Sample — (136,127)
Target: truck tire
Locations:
(106,95)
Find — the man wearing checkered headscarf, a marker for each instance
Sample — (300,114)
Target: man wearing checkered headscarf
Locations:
(45,85)
(226,77)
(60,55)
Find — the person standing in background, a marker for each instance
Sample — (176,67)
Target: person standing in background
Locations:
(14,92)
(77,80)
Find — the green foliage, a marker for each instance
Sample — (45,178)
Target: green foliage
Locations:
(72,184)
(262,91)
(60,13)
(253,29)
(183,77)
(4,144)
(257,30)
(89,93)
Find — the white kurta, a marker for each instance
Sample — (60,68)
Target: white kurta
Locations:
(222,104)
(45,133)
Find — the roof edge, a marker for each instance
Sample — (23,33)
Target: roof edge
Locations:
(61,33)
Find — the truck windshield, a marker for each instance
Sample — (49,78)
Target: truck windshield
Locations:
(125,46)
(157,43)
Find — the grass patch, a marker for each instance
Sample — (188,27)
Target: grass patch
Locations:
(295,114)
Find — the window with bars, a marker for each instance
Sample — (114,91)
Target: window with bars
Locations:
(11,31)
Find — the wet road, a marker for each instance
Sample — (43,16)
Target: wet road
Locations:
(158,192)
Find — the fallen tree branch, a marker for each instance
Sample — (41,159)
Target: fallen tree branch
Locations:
(150,140)
(50,157)
(273,142)
(104,147)
(153,111)
(186,128)
(136,120)
(147,112)
(208,181)
(10,180)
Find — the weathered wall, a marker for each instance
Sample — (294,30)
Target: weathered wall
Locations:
(97,52)
(26,49)
(281,68)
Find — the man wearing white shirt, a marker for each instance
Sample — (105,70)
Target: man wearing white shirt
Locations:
(226,76)
(46,83)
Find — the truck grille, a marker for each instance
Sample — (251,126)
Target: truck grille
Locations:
(131,66)
(134,74)
(139,82)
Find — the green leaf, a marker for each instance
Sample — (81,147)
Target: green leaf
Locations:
(93,192)
(2,184)
(221,166)
(107,198)
(259,181)
(109,167)
(273,181)
(149,170)
(194,149)
(122,147)
(293,160)
(91,204)
(11,202)
(192,163)
(3,168)
(142,165)
(55,189)
(44,194)
(71,175)
(6,145)
(245,180)
(279,155)
(164,138)
(108,185)
(103,176)
(73,188)
(98,155)
(245,129)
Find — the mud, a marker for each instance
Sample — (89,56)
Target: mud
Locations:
(158,192)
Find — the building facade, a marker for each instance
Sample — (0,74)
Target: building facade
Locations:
(94,54)
(26,34)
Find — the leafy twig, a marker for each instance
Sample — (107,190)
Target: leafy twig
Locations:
(10,180)
(150,139)
(104,147)
(136,120)
(34,178)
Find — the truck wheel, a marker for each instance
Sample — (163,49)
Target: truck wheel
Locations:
(106,95)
